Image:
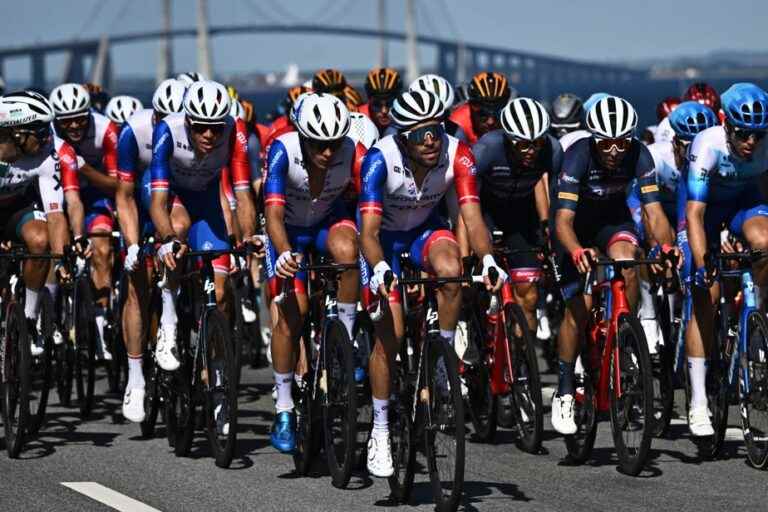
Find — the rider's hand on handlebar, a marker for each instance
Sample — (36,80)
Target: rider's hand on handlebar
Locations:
(258,244)
(6,245)
(131,258)
(581,259)
(488,263)
(171,250)
(378,283)
(287,264)
(61,272)
(82,246)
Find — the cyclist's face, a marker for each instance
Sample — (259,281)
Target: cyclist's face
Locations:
(74,128)
(379,109)
(526,152)
(484,118)
(611,152)
(744,142)
(321,153)
(9,151)
(425,149)
(205,137)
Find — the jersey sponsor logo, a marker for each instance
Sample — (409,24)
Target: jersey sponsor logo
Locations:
(181,145)
(647,189)
(241,139)
(568,196)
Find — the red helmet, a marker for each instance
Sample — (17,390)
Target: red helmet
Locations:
(704,94)
(666,106)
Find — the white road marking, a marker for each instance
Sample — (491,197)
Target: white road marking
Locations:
(109,497)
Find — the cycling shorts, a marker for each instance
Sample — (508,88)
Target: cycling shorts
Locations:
(207,231)
(99,210)
(519,221)
(18,212)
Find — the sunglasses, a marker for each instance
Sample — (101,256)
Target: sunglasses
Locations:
(607,145)
(744,135)
(526,146)
(73,122)
(377,105)
(201,128)
(419,135)
(318,146)
(40,132)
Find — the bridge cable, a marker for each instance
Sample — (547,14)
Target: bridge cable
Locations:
(97,7)
(120,14)
(426,19)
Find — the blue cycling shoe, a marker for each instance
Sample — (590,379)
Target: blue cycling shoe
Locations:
(283,434)
(360,374)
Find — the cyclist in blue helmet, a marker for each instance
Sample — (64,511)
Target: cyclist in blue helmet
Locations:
(726,164)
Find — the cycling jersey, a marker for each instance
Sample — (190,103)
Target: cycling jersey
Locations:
(389,189)
(462,116)
(287,180)
(134,155)
(279,126)
(664,131)
(567,140)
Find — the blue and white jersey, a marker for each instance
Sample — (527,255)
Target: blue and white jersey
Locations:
(134,146)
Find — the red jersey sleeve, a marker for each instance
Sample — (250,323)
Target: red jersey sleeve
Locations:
(464,171)
(226,187)
(357,165)
(239,163)
(68,163)
(109,150)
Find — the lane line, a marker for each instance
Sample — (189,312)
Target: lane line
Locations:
(108,497)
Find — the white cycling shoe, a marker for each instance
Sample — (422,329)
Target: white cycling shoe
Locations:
(133,404)
(165,351)
(380,456)
(699,422)
(562,414)
(653,334)
(543,332)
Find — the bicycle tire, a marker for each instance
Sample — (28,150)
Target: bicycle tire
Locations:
(526,387)
(338,402)
(363,335)
(180,416)
(307,426)
(65,351)
(117,367)
(15,362)
(662,371)
(482,403)
(85,347)
(402,436)
(754,364)
(40,367)
(151,396)
(581,444)
(220,352)
(443,414)
(636,386)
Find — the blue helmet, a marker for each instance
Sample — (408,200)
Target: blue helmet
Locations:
(690,118)
(746,106)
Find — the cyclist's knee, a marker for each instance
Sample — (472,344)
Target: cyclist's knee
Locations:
(446,265)
(527,294)
(343,247)
(36,238)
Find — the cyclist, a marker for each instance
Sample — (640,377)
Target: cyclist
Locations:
(404,177)
(382,85)
(34,164)
(706,95)
(307,174)
(566,114)
(190,153)
(726,164)
(120,108)
(283,124)
(134,150)
(352,98)
(582,133)
(191,77)
(330,81)
(661,132)
(94,138)
(439,86)
(488,93)
(592,215)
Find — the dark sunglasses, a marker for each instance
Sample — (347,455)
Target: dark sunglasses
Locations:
(525,146)
(744,135)
(41,132)
(319,146)
(419,135)
(73,122)
(379,104)
(607,145)
(200,128)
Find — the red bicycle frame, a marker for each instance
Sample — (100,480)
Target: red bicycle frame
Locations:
(502,375)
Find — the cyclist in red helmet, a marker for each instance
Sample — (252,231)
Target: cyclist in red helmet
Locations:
(704,94)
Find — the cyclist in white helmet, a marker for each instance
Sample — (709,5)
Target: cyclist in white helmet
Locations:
(190,77)
(134,155)
(308,172)
(120,108)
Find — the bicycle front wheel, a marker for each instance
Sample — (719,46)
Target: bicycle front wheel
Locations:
(85,347)
(221,389)
(753,377)
(16,360)
(402,436)
(440,397)
(580,444)
(40,374)
(631,396)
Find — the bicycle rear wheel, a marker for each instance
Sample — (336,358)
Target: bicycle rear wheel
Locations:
(402,436)
(307,415)
(85,347)
(631,396)
(440,394)
(717,392)
(40,372)
(65,351)
(661,365)
(754,398)
(526,386)
(16,361)
(580,444)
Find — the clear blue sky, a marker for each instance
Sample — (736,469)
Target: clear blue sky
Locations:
(589,29)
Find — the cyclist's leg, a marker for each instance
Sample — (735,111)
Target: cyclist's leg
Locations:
(524,272)
(340,240)
(29,226)
(753,225)
(439,253)
(620,241)
(99,219)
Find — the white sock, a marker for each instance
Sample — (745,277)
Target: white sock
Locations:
(283,382)
(347,313)
(135,372)
(53,289)
(697,372)
(30,303)
(647,311)
(448,335)
(169,307)
(380,416)
(100,321)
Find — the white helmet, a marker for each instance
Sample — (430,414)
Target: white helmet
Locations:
(169,96)
(297,102)
(120,108)
(416,106)
(321,116)
(363,130)
(437,85)
(236,110)
(190,78)
(525,119)
(612,118)
(23,108)
(207,102)
(70,100)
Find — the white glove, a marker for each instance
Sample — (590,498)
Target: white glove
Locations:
(282,260)
(131,258)
(488,263)
(166,248)
(377,279)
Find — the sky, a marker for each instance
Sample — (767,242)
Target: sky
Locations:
(592,30)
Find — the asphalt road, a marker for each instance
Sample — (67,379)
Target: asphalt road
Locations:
(111,453)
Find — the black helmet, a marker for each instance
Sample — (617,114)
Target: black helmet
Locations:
(567,113)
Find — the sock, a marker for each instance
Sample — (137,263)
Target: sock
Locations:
(697,372)
(31,303)
(647,311)
(565,385)
(135,372)
(100,321)
(284,397)
(380,416)
(347,314)
(169,307)
(53,289)
(448,335)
